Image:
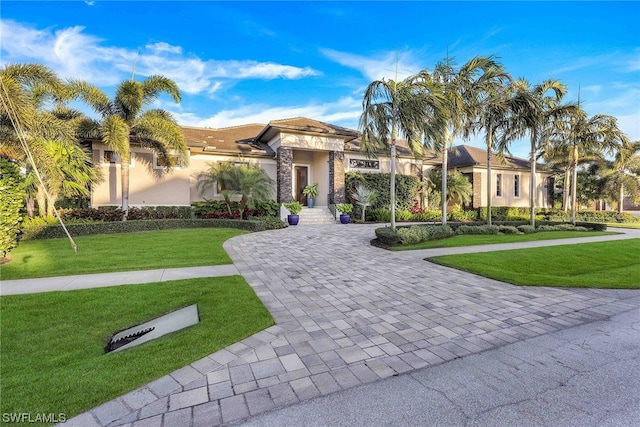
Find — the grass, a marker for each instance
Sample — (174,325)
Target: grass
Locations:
(472,240)
(52,358)
(612,265)
(119,252)
(635,225)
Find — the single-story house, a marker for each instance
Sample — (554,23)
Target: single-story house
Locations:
(295,152)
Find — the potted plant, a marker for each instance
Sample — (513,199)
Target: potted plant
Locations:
(344,209)
(310,192)
(294,209)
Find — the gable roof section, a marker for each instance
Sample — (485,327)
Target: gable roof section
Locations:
(465,155)
(305,125)
(234,139)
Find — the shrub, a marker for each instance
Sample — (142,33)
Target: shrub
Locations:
(56,231)
(458,214)
(477,229)
(380,215)
(592,216)
(508,229)
(110,213)
(423,233)
(407,187)
(12,195)
(561,227)
(526,229)
(387,236)
(261,208)
(427,216)
(403,215)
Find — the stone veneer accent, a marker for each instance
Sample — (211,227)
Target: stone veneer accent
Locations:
(477,190)
(285,178)
(336,177)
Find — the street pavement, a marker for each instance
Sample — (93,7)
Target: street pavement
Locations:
(382,330)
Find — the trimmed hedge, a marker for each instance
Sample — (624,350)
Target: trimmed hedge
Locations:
(56,231)
(108,213)
(387,236)
(592,216)
(423,233)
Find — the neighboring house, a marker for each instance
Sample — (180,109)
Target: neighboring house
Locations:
(510,178)
(294,152)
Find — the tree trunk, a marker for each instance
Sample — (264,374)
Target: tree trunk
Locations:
(445,167)
(393,181)
(532,182)
(565,190)
(125,159)
(31,207)
(574,185)
(41,198)
(489,180)
(621,198)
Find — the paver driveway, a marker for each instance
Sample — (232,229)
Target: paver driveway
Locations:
(347,314)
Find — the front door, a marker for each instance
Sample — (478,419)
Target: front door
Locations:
(301,175)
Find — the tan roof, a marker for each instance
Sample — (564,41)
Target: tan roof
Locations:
(236,139)
(466,155)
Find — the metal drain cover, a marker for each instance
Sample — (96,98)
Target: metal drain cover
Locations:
(153,329)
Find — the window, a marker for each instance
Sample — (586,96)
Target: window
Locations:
(499,185)
(516,186)
(109,157)
(174,160)
(364,164)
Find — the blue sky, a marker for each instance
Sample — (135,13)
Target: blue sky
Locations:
(252,62)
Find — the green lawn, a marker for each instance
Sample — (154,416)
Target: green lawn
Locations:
(472,240)
(614,265)
(52,358)
(119,252)
(635,225)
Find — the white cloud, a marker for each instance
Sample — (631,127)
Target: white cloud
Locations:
(344,112)
(384,65)
(72,53)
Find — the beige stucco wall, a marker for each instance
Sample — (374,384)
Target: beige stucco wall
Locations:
(405,166)
(148,185)
(508,183)
(309,142)
(318,164)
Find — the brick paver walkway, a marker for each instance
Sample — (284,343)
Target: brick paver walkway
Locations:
(347,314)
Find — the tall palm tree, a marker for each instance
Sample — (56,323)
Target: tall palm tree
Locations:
(42,139)
(460,90)
(491,110)
(584,135)
(124,121)
(410,108)
(537,114)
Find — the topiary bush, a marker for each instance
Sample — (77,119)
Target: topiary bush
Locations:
(12,195)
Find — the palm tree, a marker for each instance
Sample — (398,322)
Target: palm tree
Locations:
(42,140)
(250,182)
(364,197)
(458,185)
(460,90)
(583,135)
(410,109)
(491,109)
(623,175)
(535,113)
(125,121)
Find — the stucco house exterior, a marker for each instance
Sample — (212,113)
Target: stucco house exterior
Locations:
(294,152)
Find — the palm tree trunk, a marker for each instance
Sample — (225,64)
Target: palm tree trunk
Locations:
(393,181)
(565,191)
(532,182)
(41,198)
(124,165)
(621,198)
(30,206)
(574,185)
(489,144)
(445,167)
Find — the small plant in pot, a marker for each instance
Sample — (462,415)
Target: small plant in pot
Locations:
(294,209)
(344,209)
(310,192)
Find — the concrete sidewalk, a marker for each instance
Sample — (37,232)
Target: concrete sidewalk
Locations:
(84,281)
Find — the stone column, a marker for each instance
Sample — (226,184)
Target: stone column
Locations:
(477,190)
(284,171)
(336,177)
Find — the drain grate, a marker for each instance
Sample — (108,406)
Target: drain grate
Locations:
(163,325)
